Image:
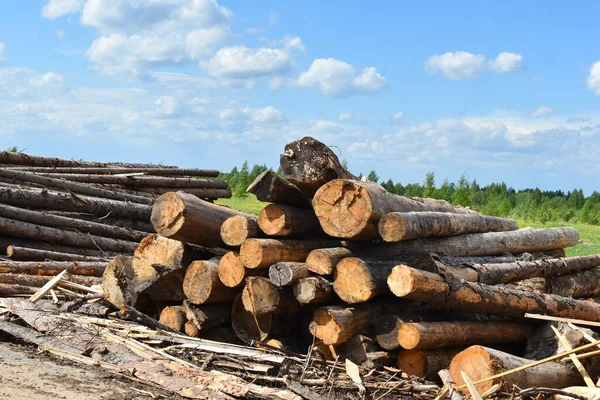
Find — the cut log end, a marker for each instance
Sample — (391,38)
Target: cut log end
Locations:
(191,329)
(168,214)
(247,326)
(325,327)
(173,317)
(353,282)
(236,229)
(251,253)
(260,296)
(392,227)
(412,362)
(231,270)
(323,261)
(477,363)
(402,280)
(409,336)
(272,220)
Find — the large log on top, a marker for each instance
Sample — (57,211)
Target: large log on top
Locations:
(262,253)
(455,294)
(397,226)
(288,221)
(309,164)
(271,188)
(178,215)
(479,362)
(236,229)
(351,209)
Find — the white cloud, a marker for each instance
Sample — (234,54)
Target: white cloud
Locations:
(58,8)
(243,62)
(2,49)
(462,65)
(542,111)
(345,116)
(398,116)
(336,78)
(60,34)
(593,80)
(263,115)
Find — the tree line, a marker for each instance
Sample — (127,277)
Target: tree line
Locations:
(496,199)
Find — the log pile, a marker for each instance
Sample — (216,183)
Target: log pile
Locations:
(345,273)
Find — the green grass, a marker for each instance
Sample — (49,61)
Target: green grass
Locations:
(248,204)
(589,242)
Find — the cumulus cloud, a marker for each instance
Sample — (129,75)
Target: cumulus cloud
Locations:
(336,78)
(57,8)
(593,80)
(2,49)
(398,116)
(461,65)
(542,111)
(243,62)
(345,116)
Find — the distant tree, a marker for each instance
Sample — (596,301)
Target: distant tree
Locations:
(373,177)
(429,185)
(462,195)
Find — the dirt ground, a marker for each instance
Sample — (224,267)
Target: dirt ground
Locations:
(28,374)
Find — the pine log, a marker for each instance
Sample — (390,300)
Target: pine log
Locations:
(323,261)
(337,324)
(12,158)
(119,284)
(286,273)
(314,290)
(364,351)
(351,209)
(236,229)
(493,274)
(454,294)
(144,181)
(207,173)
(247,326)
(288,221)
(74,187)
(260,296)
(426,335)
(202,193)
(44,200)
(207,316)
(173,317)
(202,284)
(579,284)
(190,329)
(41,280)
(270,187)
(480,362)
(6,241)
(397,226)
(27,254)
(537,285)
(91,268)
(262,253)
(309,164)
(131,224)
(178,215)
(425,363)
(232,272)
(15,290)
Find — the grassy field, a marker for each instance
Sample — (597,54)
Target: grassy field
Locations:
(588,244)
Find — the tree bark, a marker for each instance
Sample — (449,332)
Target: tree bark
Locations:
(309,164)
(207,173)
(28,254)
(236,229)
(480,362)
(232,271)
(15,290)
(270,187)
(6,241)
(207,194)
(44,200)
(95,268)
(398,226)
(12,158)
(314,290)
(286,273)
(262,253)
(577,284)
(40,280)
(323,261)
(131,224)
(178,216)
(74,187)
(447,292)
(173,317)
(207,316)
(247,326)
(288,221)
(260,296)
(119,284)
(426,363)
(202,285)
(351,209)
(144,181)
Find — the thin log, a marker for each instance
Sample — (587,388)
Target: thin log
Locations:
(352,209)
(207,173)
(314,290)
(364,351)
(270,187)
(232,272)
(236,229)
(577,284)
(309,164)
(202,284)
(12,158)
(8,290)
(426,363)
(75,187)
(178,216)
(41,280)
(17,253)
(132,224)
(95,268)
(44,200)
(397,226)
(210,194)
(260,296)
(31,231)
(207,316)
(286,273)
(480,362)
(190,329)
(323,261)
(446,292)
(173,317)
(144,181)
(288,221)
(262,253)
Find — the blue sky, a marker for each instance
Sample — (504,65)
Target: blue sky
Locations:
(496,90)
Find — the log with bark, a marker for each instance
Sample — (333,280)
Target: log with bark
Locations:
(207,316)
(397,226)
(236,229)
(177,215)
(426,363)
(173,317)
(6,241)
(17,253)
(202,284)
(286,273)
(479,362)
(144,181)
(248,327)
(262,253)
(351,209)
(314,290)
(210,194)
(132,224)
(578,284)
(22,159)
(288,221)
(323,261)
(10,290)
(207,173)
(364,351)
(41,280)
(232,272)
(270,187)
(448,292)
(260,296)
(92,268)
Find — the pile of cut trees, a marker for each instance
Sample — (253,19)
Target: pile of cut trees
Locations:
(58,214)
(342,269)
